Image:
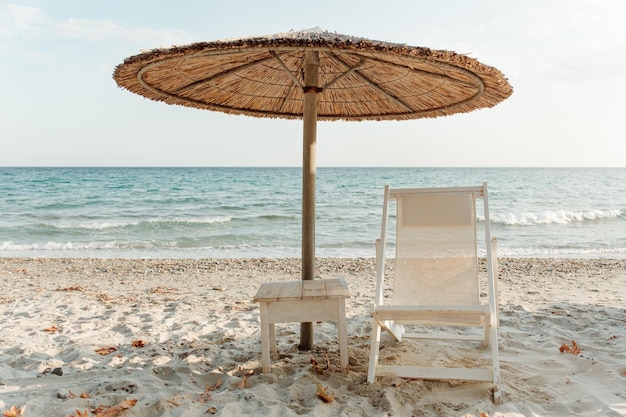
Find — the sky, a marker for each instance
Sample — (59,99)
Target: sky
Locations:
(59,105)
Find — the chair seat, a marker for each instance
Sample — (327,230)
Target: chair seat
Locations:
(434,315)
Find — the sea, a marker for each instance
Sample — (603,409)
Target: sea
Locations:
(256,212)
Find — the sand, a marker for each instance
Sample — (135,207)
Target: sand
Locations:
(181,338)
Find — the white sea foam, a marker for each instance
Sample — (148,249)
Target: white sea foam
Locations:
(562,252)
(185,220)
(56,246)
(102,226)
(553,217)
(122,224)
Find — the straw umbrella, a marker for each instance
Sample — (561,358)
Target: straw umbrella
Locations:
(314,75)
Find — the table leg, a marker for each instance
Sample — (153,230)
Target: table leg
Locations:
(273,350)
(265,338)
(343,335)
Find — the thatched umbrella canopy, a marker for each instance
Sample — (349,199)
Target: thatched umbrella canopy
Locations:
(314,75)
(358,79)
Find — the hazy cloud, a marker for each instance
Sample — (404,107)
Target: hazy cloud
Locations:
(16,20)
(19,23)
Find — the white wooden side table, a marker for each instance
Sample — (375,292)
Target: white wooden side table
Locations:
(302,301)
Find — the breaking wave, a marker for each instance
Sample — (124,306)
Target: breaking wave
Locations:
(554,217)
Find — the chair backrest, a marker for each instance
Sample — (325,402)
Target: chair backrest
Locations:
(436,248)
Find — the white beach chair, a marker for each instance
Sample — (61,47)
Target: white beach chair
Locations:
(436,285)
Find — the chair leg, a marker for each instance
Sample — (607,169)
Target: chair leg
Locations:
(374,351)
(495,358)
(487,330)
(497,395)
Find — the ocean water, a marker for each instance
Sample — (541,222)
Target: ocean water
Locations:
(256,212)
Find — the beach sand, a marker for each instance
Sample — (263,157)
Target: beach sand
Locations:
(182,338)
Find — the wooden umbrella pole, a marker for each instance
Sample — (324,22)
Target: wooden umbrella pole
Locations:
(311,66)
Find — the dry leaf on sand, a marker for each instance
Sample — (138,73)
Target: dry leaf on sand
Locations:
(83,395)
(15,412)
(73,288)
(174,401)
(316,366)
(214,386)
(570,349)
(323,393)
(243,383)
(105,350)
(162,290)
(103,411)
(206,395)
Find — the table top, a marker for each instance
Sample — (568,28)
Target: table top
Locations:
(316,289)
